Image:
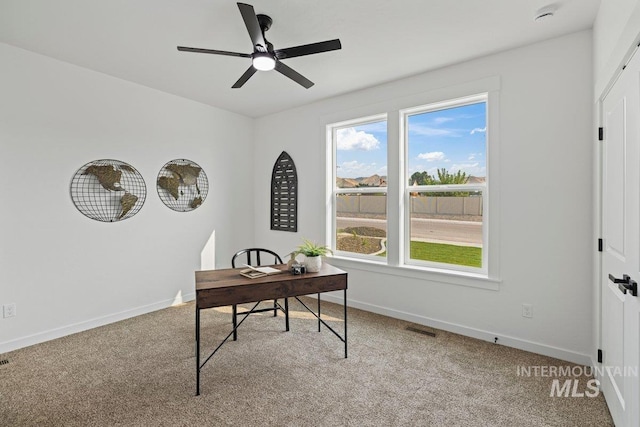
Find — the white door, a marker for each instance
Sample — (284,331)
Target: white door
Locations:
(621,252)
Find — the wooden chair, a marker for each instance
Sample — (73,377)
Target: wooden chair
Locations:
(256,257)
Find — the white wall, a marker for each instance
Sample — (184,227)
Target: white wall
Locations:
(545,137)
(615,31)
(66,272)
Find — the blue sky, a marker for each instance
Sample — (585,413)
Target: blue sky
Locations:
(453,138)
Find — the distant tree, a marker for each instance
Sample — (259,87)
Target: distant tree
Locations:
(444,177)
(422,178)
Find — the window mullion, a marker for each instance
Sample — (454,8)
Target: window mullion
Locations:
(447,188)
(395,205)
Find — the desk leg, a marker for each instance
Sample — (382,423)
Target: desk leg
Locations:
(286,313)
(235,322)
(345,323)
(318,311)
(197,351)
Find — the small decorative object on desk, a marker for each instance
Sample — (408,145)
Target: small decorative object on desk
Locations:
(292,260)
(313,255)
(297,269)
(253,272)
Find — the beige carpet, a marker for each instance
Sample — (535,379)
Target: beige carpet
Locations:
(141,372)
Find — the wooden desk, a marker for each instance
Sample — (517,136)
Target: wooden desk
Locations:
(215,288)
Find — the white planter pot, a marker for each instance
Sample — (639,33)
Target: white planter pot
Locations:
(313,264)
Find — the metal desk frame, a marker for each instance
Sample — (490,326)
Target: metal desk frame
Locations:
(216,288)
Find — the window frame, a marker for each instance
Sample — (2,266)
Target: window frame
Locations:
(407,189)
(332,130)
(390,107)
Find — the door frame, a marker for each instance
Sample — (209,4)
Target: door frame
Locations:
(597,179)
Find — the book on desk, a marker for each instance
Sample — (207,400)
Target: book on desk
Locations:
(255,272)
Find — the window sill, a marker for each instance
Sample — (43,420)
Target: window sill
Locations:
(423,273)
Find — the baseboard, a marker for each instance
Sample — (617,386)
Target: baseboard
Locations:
(533,347)
(555,352)
(51,334)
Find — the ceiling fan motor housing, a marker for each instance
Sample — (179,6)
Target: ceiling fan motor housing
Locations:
(264,21)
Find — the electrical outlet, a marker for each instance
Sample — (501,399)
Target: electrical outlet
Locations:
(9,310)
(527,310)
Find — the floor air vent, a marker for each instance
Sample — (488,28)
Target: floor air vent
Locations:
(420,331)
(4,362)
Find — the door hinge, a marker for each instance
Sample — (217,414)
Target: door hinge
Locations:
(599,356)
(600,134)
(600,245)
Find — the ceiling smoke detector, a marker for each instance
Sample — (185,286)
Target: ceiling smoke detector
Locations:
(545,13)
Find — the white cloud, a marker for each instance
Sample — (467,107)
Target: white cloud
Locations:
(351,165)
(433,171)
(471,157)
(440,120)
(484,129)
(470,168)
(432,156)
(432,131)
(355,169)
(462,166)
(350,139)
(375,127)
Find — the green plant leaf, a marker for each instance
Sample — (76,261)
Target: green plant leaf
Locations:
(311,249)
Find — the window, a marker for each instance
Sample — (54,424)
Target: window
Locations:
(446,166)
(426,209)
(360,188)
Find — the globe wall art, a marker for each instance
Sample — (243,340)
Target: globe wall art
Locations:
(108,190)
(182,185)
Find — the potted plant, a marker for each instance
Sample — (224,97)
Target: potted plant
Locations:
(313,255)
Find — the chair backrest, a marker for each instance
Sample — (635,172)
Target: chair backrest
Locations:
(255,257)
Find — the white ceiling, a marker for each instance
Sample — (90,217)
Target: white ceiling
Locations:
(382,40)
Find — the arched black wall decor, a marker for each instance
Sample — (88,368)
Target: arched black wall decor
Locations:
(284,194)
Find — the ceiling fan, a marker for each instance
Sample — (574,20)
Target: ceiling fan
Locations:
(264,57)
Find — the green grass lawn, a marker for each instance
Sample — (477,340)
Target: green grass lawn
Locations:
(447,254)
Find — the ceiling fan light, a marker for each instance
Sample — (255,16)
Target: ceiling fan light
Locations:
(263,62)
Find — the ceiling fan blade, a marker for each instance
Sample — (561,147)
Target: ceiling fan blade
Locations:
(251,21)
(216,52)
(243,79)
(293,75)
(308,49)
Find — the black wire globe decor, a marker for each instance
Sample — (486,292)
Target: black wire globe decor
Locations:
(182,185)
(108,190)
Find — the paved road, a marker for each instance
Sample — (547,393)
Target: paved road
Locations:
(428,230)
